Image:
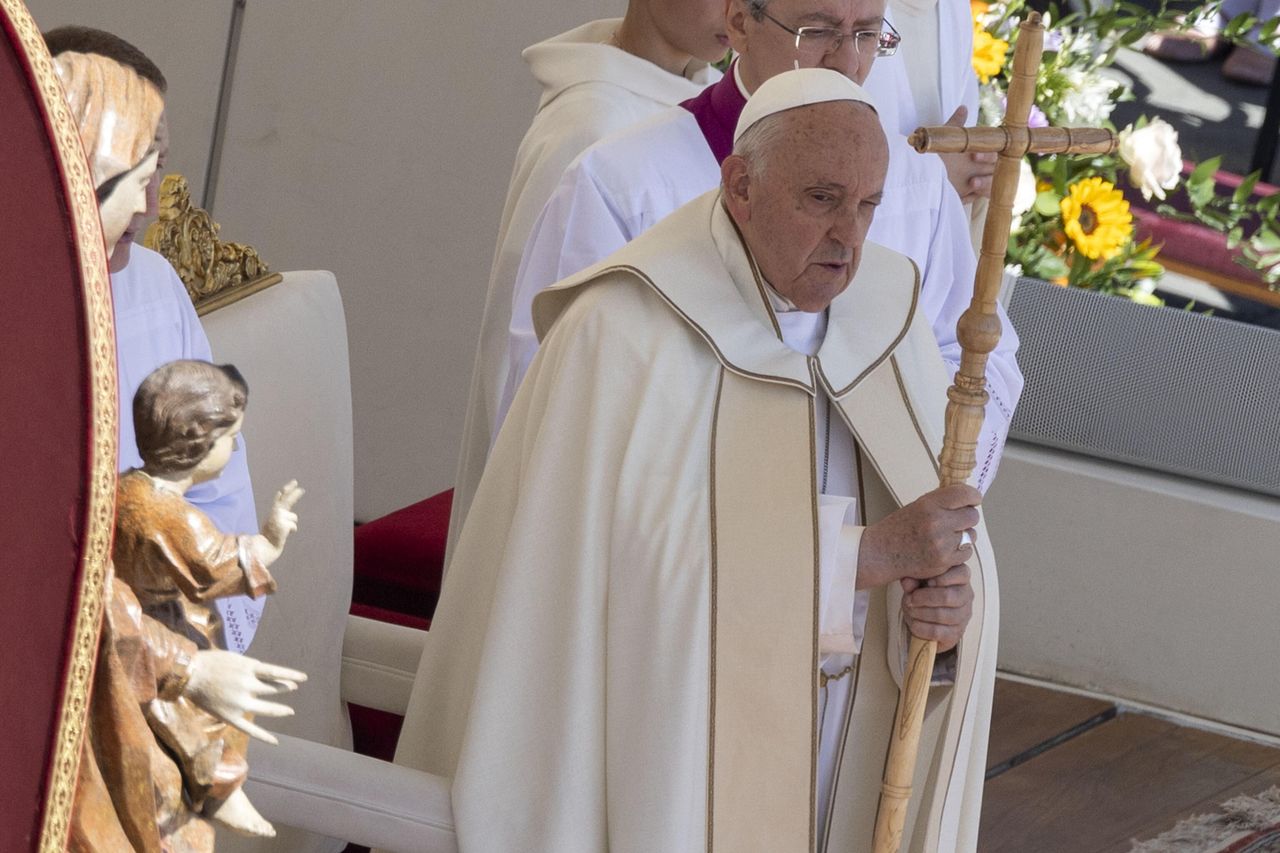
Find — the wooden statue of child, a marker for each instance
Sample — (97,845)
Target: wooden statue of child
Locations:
(187,415)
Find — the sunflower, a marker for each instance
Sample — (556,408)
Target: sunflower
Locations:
(988,54)
(1096,218)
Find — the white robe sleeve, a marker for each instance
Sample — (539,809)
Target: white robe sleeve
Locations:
(578,226)
(947,288)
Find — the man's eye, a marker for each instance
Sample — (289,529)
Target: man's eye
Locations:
(822,198)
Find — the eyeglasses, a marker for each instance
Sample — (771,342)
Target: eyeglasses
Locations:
(813,43)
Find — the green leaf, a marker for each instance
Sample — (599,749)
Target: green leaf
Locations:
(1205,170)
(1200,193)
(1242,193)
(1049,267)
(1266,240)
(1047,203)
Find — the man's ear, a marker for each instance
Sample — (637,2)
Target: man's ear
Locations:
(736,15)
(735,182)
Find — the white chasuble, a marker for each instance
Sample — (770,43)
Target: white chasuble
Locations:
(590,89)
(627,649)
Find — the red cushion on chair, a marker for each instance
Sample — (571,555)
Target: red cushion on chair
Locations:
(399,561)
(394,617)
(399,558)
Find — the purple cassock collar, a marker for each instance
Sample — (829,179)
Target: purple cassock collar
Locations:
(717,109)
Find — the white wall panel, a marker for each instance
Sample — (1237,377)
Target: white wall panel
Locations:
(376,140)
(1139,585)
(187,39)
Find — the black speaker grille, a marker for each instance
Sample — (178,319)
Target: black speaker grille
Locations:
(1159,388)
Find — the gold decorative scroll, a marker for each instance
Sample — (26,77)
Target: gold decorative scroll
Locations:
(215,273)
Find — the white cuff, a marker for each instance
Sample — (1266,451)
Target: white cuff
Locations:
(839,625)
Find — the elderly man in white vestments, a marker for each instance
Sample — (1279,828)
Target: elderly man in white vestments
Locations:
(596,79)
(623,185)
(680,605)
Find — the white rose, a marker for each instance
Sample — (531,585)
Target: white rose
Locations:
(1154,158)
(1026,194)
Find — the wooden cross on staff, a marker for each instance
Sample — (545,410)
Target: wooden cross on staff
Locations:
(978,332)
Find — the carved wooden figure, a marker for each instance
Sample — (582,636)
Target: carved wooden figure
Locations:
(187,416)
(164,742)
(978,332)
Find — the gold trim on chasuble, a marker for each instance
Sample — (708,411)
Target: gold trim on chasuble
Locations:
(100,332)
(763,741)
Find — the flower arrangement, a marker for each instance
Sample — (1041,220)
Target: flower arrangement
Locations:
(1072,224)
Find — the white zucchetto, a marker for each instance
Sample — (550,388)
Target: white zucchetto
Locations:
(799,88)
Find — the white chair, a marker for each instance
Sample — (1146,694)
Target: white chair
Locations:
(289,340)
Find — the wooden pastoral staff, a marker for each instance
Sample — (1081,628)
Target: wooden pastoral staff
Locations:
(978,333)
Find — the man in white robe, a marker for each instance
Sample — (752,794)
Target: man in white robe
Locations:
(623,185)
(931,81)
(596,79)
(650,637)
(156,323)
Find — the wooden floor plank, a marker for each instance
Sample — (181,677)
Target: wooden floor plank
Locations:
(1024,716)
(1098,790)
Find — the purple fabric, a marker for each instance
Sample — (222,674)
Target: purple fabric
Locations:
(717,109)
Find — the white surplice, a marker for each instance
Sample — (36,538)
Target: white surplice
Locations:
(155,324)
(932,72)
(623,185)
(626,652)
(590,89)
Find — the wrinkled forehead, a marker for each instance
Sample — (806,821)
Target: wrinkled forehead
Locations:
(828,13)
(834,128)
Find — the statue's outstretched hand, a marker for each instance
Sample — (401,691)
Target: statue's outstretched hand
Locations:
(282,520)
(228,686)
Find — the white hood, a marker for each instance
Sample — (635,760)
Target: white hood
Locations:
(584,55)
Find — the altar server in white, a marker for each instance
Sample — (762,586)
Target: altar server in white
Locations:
(596,79)
(931,81)
(626,183)
(650,637)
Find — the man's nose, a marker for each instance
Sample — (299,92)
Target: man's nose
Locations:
(846,60)
(847,230)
